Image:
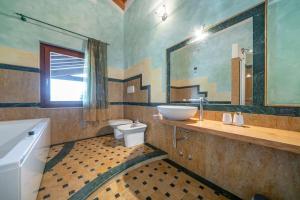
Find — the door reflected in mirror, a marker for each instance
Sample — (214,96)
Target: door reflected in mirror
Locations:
(219,67)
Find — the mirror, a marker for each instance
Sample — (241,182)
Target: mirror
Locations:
(220,63)
(219,67)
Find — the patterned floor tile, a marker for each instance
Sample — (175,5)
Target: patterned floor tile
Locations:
(155,181)
(54,150)
(87,160)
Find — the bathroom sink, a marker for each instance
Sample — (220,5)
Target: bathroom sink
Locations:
(177,112)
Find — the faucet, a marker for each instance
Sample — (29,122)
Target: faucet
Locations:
(135,124)
(201,101)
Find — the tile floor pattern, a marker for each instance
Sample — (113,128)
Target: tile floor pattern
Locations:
(54,150)
(155,181)
(87,160)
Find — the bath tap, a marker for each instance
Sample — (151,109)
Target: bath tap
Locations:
(201,101)
(135,123)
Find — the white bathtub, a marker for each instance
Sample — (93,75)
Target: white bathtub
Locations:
(23,157)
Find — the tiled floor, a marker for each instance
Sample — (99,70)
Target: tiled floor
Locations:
(54,151)
(87,160)
(78,167)
(157,181)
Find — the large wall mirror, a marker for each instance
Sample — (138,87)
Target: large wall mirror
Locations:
(225,64)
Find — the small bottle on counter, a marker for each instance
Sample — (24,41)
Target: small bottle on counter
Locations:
(227,118)
(238,119)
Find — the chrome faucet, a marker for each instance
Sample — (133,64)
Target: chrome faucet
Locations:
(135,124)
(201,101)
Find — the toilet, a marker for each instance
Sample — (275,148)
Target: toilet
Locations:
(133,133)
(117,122)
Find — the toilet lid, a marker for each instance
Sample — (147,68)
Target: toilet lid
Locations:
(119,121)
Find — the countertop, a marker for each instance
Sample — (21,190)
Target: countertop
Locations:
(274,138)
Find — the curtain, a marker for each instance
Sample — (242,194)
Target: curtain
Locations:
(95,81)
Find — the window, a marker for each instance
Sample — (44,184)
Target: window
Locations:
(61,76)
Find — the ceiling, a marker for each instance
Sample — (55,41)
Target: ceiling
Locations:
(120,3)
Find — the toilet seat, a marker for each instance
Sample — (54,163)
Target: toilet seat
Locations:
(117,122)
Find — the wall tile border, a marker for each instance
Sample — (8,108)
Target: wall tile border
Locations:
(19,68)
(280,111)
(20,104)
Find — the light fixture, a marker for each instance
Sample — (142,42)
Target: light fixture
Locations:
(200,34)
(248,75)
(161,11)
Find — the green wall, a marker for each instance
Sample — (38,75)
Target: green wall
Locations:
(100,19)
(139,34)
(283,86)
(148,37)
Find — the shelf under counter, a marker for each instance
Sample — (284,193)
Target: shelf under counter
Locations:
(274,138)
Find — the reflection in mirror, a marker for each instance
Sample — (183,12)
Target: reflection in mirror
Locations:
(218,66)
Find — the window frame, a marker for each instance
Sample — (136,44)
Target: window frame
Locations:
(45,91)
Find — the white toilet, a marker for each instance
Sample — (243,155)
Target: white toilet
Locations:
(133,133)
(117,122)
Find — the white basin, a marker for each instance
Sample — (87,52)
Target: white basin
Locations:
(132,128)
(177,112)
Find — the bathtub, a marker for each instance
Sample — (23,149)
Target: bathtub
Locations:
(24,146)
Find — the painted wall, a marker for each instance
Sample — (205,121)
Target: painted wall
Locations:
(147,37)
(100,19)
(19,45)
(283,53)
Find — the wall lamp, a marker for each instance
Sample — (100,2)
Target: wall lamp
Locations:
(161,12)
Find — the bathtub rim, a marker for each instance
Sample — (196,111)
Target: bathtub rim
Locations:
(15,157)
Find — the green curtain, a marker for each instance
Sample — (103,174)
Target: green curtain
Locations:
(95,79)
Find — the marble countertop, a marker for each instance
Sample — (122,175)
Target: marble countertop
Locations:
(274,138)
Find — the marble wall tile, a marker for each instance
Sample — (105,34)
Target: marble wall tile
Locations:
(269,121)
(19,86)
(260,120)
(289,123)
(178,94)
(140,95)
(115,91)
(66,123)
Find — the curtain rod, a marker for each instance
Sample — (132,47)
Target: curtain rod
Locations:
(24,18)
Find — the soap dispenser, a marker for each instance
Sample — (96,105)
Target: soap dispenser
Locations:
(238,119)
